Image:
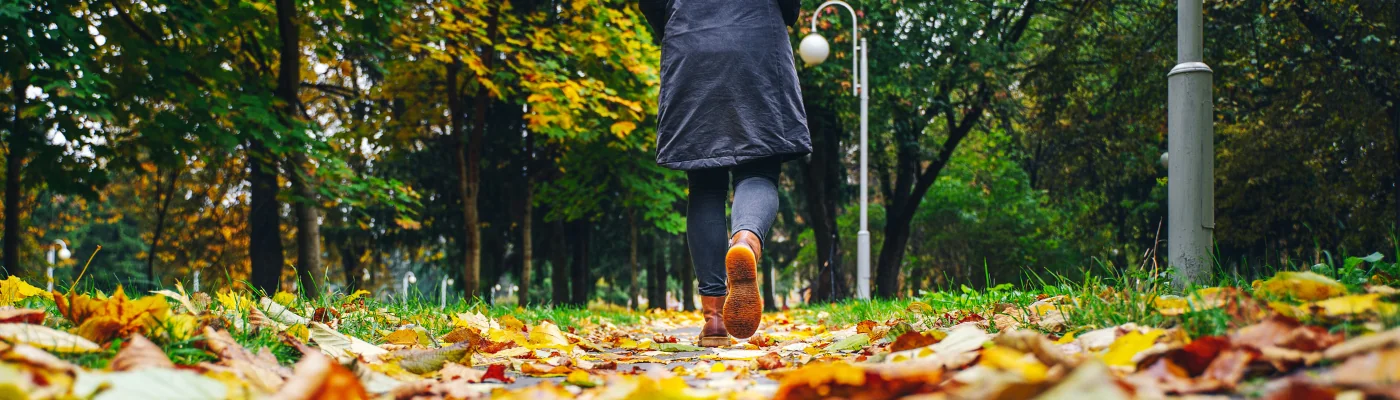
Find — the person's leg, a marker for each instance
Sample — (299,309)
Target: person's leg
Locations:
(755,197)
(707,234)
(706,227)
(755,207)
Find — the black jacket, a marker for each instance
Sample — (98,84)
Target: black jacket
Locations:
(655,11)
(729,90)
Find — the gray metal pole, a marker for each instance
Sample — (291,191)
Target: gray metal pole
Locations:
(1191,145)
(863,236)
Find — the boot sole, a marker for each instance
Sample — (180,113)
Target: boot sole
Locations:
(714,341)
(743,308)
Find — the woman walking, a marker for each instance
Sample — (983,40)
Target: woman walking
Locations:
(730,107)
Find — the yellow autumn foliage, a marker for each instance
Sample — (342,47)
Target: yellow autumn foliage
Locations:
(102,320)
(13,289)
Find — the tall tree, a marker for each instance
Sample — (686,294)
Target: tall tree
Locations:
(946,68)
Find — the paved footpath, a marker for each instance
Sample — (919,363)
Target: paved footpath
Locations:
(756,382)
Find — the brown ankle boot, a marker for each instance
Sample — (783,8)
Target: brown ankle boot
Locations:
(743,308)
(713,333)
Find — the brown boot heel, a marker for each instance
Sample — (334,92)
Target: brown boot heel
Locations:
(743,308)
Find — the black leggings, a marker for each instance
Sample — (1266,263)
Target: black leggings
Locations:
(755,207)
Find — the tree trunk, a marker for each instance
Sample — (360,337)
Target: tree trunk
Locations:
(350,262)
(471,179)
(527,223)
(559,269)
(308,226)
(903,203)
(687,276)
(632,260)
(656,273)
(264,235)
(822,180)
(288,83)
(581,285)
(1394,133)
(14,164)
(163,197)
(457,118)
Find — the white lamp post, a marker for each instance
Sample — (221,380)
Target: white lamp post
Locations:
(814,49)
(408,280)
(62,253)
(442,293)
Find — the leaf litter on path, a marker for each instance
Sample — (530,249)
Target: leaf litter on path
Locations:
(1282,331)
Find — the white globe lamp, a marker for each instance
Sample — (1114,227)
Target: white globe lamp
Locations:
(814,49)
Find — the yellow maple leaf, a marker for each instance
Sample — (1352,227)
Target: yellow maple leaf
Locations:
(1123,349)
(102,320)
(1305,285)
(1353,305)
(1006,359)
(13,289)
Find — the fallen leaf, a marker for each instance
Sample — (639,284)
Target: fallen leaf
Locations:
(343,347)
(677,347)
(13,289)
(1002,358)
(1304,285)
(1356,304)
(180,297)
(911,340)
(1362,344)
(543,370)
(1371,369)
(139,353)
(22,315)
(850,343)
(497,372)
(261,370)
(1125,349)
(425,361)
(842,380)
(317,377)
(150,383)
(769,361)
(47,338)
(102,320)
(280,313)
(406,337)
(1091,380)
(580,378)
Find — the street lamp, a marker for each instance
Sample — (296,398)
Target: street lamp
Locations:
(813,50)
(1191,145)
(62,253)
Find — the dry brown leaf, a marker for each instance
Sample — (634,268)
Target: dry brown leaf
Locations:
(262,370)
(541,370)
(1367,370)
(911,340)
(25,354)
(1225,371)
(317,377)
(1033,343)
(21,315)
(842,380)
(1091,380)
(1362,344)
(1301,389)
(139,353)
(769,361)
